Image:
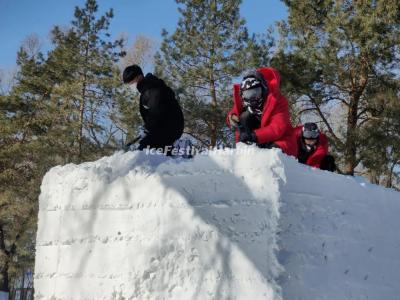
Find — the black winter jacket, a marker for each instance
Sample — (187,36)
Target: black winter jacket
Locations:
(159,108)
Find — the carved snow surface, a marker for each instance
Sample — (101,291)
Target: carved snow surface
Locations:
(246,224)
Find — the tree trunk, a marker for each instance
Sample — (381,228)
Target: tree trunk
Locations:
(4,283)
(389,176)
(82,110)
(82,104)
(214,105)
(350,152)
(373,177)
(81,117)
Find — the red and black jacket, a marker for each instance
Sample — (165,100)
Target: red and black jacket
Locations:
(275,120)
(314,159)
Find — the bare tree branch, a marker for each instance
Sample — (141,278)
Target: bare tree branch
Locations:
(321,114)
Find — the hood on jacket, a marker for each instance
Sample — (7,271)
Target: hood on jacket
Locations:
(272,78)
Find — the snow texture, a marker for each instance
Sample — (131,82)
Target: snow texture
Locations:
(137,226)
(3,296)
(339,237)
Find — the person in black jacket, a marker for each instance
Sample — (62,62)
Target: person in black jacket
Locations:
(160,111)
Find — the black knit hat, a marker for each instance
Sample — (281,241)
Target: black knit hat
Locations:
(310,131)
(131,72)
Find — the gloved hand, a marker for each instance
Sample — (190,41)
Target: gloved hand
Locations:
(138,142)
(247,137)
(233,121)
(144,138)
(143,132)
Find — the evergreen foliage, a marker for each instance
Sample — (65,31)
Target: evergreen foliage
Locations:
(334,53)
(64,107)
(209,48)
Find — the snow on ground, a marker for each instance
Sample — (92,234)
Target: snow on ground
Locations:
(339,237)
(3,296)
(137,226)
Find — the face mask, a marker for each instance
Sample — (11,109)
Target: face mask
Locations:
(310,147)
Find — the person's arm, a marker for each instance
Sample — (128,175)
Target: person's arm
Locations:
(156,108)
(314,160)
(276,128)
(234,110)
(322,150)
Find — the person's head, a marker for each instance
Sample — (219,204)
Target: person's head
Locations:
(132,74)
(253,90)
(310,136)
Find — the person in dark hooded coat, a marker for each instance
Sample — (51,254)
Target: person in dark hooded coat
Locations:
(159,109)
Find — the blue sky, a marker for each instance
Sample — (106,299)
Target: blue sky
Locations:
(19,18)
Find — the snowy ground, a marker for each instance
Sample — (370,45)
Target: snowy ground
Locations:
(339,237)
(136,226)
(3,296)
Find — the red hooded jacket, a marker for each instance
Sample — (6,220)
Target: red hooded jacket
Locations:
(275,121)
(314,160)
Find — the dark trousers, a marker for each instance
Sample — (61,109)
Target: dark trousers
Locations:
(249,122)
(163,139)
(328,163)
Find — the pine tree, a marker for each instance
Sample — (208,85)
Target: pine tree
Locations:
(380,137)
(208,49)
(334,51)
(59,110)
(84,61)
(23,122)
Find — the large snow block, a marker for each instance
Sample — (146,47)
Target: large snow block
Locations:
(244,224)
(137,226)
(339,237)
(3,296)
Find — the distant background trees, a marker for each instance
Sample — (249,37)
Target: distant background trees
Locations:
(62,108)
(340,61)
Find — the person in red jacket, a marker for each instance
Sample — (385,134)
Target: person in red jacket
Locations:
(313,147)
(260,112)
